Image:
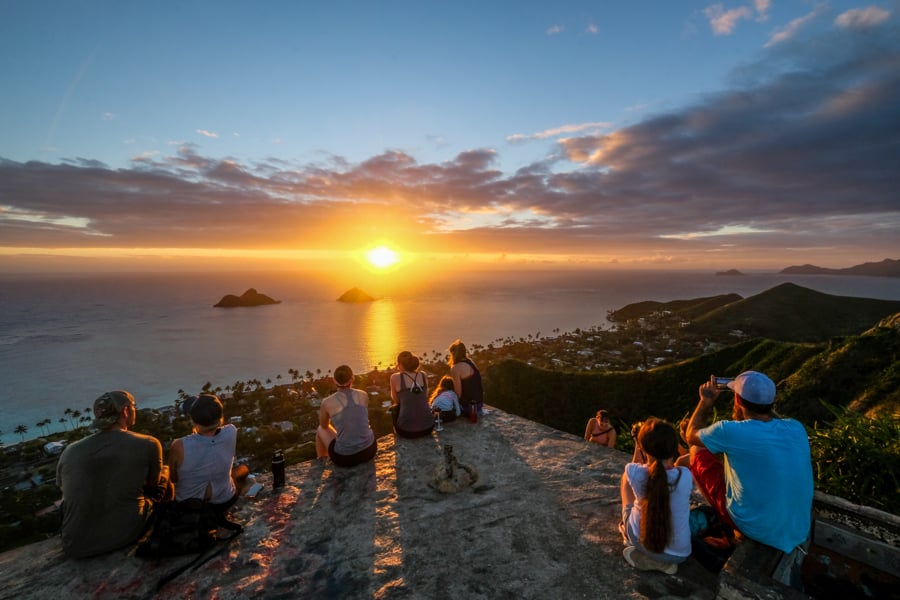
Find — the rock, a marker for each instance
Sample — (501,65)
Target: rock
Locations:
(540,523)
(355,295)
(249,298)
(729,273)
(450,476)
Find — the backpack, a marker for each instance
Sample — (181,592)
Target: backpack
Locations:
(712,542)
(186,527)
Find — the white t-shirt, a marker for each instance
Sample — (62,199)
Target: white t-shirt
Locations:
(679,504)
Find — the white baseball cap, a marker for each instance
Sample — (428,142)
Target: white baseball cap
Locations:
(754,387)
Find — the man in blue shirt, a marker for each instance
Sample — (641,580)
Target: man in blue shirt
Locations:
(763,484)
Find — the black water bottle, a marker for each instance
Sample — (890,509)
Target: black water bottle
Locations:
(278,469)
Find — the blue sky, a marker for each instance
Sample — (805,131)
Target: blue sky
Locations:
(757,134)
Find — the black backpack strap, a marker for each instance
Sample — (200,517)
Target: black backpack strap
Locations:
(204,557)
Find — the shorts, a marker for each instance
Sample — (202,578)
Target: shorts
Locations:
(709,476)
(350,460)
(412,434)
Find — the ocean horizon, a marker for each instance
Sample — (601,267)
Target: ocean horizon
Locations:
(66,338)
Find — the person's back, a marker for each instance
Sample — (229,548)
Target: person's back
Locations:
(415,413)
(769,475)
(344,434)
(202,462)
(102,478)
(206,467)
(352,422)
(763,486)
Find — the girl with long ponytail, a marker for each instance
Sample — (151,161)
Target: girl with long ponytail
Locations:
(656,501)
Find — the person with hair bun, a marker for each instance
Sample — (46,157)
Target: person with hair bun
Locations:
(344,434)
(202,464)
(656,501)
(411,413)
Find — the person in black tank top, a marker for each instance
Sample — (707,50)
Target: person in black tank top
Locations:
(411,413)
(466,379)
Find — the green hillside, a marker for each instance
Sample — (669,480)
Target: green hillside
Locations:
(793,313)
(565,400)
(687,309)
(859,372)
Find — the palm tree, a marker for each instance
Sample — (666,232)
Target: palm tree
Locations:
(68,412)
(65,423)
(76,416)
(21,430)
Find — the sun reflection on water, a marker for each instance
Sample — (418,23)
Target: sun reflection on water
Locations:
(381,334)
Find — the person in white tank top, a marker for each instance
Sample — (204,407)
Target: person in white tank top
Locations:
(201,464)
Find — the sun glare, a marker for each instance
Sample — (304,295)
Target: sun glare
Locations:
(382,257)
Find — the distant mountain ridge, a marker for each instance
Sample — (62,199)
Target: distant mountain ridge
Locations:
(786,312)
(687,309)
(791,313)
(886,268)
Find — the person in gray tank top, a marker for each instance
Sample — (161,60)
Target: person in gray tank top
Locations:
(344,434)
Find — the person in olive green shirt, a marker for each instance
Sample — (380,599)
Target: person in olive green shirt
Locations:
(110,481)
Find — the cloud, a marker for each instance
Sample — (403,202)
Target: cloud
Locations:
(724,21)
(862,18)
(592,29)
(557,131)
(798,153)
(208,134)
(555,29)
(791,29)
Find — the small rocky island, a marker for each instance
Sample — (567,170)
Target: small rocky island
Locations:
(729,273)
(355,295)
(249,298)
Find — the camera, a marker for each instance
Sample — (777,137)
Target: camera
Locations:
(722,382)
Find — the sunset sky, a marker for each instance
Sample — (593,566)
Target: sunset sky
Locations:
(737,134)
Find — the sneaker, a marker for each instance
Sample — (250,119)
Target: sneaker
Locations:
(642,562)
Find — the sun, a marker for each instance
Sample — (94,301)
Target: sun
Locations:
(382,257)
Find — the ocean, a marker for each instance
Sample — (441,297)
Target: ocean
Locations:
(66,339)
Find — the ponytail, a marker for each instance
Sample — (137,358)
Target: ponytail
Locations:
(656,523)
